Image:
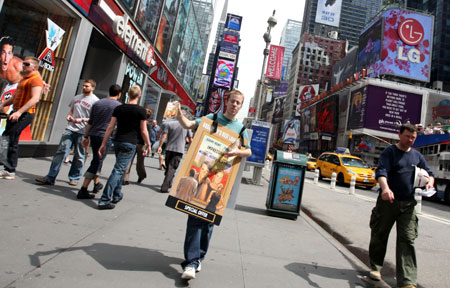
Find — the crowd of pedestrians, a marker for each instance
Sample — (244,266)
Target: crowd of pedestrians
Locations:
(438,128)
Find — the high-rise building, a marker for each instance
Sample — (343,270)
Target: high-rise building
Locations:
(204,9)
(440,61)
(313,60)
(218,38)
(354,15)
(289,39)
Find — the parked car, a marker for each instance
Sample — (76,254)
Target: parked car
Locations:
(345,166)
(311,163)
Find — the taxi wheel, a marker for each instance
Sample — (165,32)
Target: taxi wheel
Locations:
(320,175)
(340,179)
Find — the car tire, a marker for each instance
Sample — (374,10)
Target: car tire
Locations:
(320,174)
(340,179)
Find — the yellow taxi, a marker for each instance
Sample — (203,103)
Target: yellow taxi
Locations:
(311,163)
(345,166)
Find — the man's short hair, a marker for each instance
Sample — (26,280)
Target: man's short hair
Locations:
(235,92)
(92,82)
(33,60)
(6,40)
(148,113)
(409,127)
(115,89)
(134,92)
(192,172)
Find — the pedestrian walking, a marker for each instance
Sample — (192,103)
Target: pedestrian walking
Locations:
(78,117)
(24,102)
(176,137)
(395,204)
(140,165)
(154,133)
(198,232)
(95,131)
(131,122)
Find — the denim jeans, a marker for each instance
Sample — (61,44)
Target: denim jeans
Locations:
(96,164)
(113,187)
(67,139)
(196,243)
(13,130)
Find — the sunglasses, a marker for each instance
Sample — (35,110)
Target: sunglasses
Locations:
(26,64)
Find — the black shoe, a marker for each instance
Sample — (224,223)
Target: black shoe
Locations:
(115,201)
(163,191)
(125,183)
(140,180)
(97,187)
(106,206)
(84,194)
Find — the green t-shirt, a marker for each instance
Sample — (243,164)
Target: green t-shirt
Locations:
(233,125)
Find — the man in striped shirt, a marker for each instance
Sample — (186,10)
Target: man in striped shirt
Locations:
(27,96)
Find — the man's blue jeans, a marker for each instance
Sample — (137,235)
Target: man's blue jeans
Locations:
(196,243)
(97,162)
(67,139)
(113,188)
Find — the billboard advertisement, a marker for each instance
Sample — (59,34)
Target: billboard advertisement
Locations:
(345,68)
(329,12)
(259,142)
(389,108)
(369,49)
(356,109)
(275,62)
(233,22)
(306,93)
(224,73)
(230,43)
(291,132)
(326,115)
(406,46)
(438,109)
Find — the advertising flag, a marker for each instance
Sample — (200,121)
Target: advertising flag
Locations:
(275,62)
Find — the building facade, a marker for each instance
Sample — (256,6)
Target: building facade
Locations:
(289,39)
(354,15)
(156,44)
(313,61)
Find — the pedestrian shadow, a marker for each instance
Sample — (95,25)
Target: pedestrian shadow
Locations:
(309,272)
(120,257)
(250,209)
(57,190)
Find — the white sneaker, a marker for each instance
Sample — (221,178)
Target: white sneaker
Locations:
(7,175)
(188,273)
(199,268)
(375,275)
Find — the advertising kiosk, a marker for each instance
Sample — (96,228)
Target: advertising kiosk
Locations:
(286,184)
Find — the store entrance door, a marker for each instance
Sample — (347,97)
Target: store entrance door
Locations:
(102,63)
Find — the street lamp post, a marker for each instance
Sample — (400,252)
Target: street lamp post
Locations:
(267,38)
(257,171)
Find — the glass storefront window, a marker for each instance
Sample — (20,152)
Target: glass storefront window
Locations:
(151,96)
(177,41)
(184,55)
(129,4)
(148,16)
(26,22)
(166,26)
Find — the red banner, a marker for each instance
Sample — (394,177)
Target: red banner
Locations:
(275,62)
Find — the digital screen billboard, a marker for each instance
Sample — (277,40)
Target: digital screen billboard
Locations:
(233,22)
(345,68)
(326,115)
(329,12)
(224,73)
(369,49)
(406,46)
(389,108)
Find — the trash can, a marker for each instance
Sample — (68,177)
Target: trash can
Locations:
(286,184)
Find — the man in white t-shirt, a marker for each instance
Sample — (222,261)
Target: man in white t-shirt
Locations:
(78,117)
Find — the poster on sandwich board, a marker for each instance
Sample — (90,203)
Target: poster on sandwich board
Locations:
(203,185)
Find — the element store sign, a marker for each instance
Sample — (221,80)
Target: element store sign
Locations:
(53,37)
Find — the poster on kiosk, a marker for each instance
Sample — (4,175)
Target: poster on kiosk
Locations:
(203,185)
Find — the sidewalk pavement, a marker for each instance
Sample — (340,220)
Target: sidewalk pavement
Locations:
(51,239)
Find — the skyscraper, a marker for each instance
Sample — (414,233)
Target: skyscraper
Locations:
(289,39)
(354,15)
(217,39)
